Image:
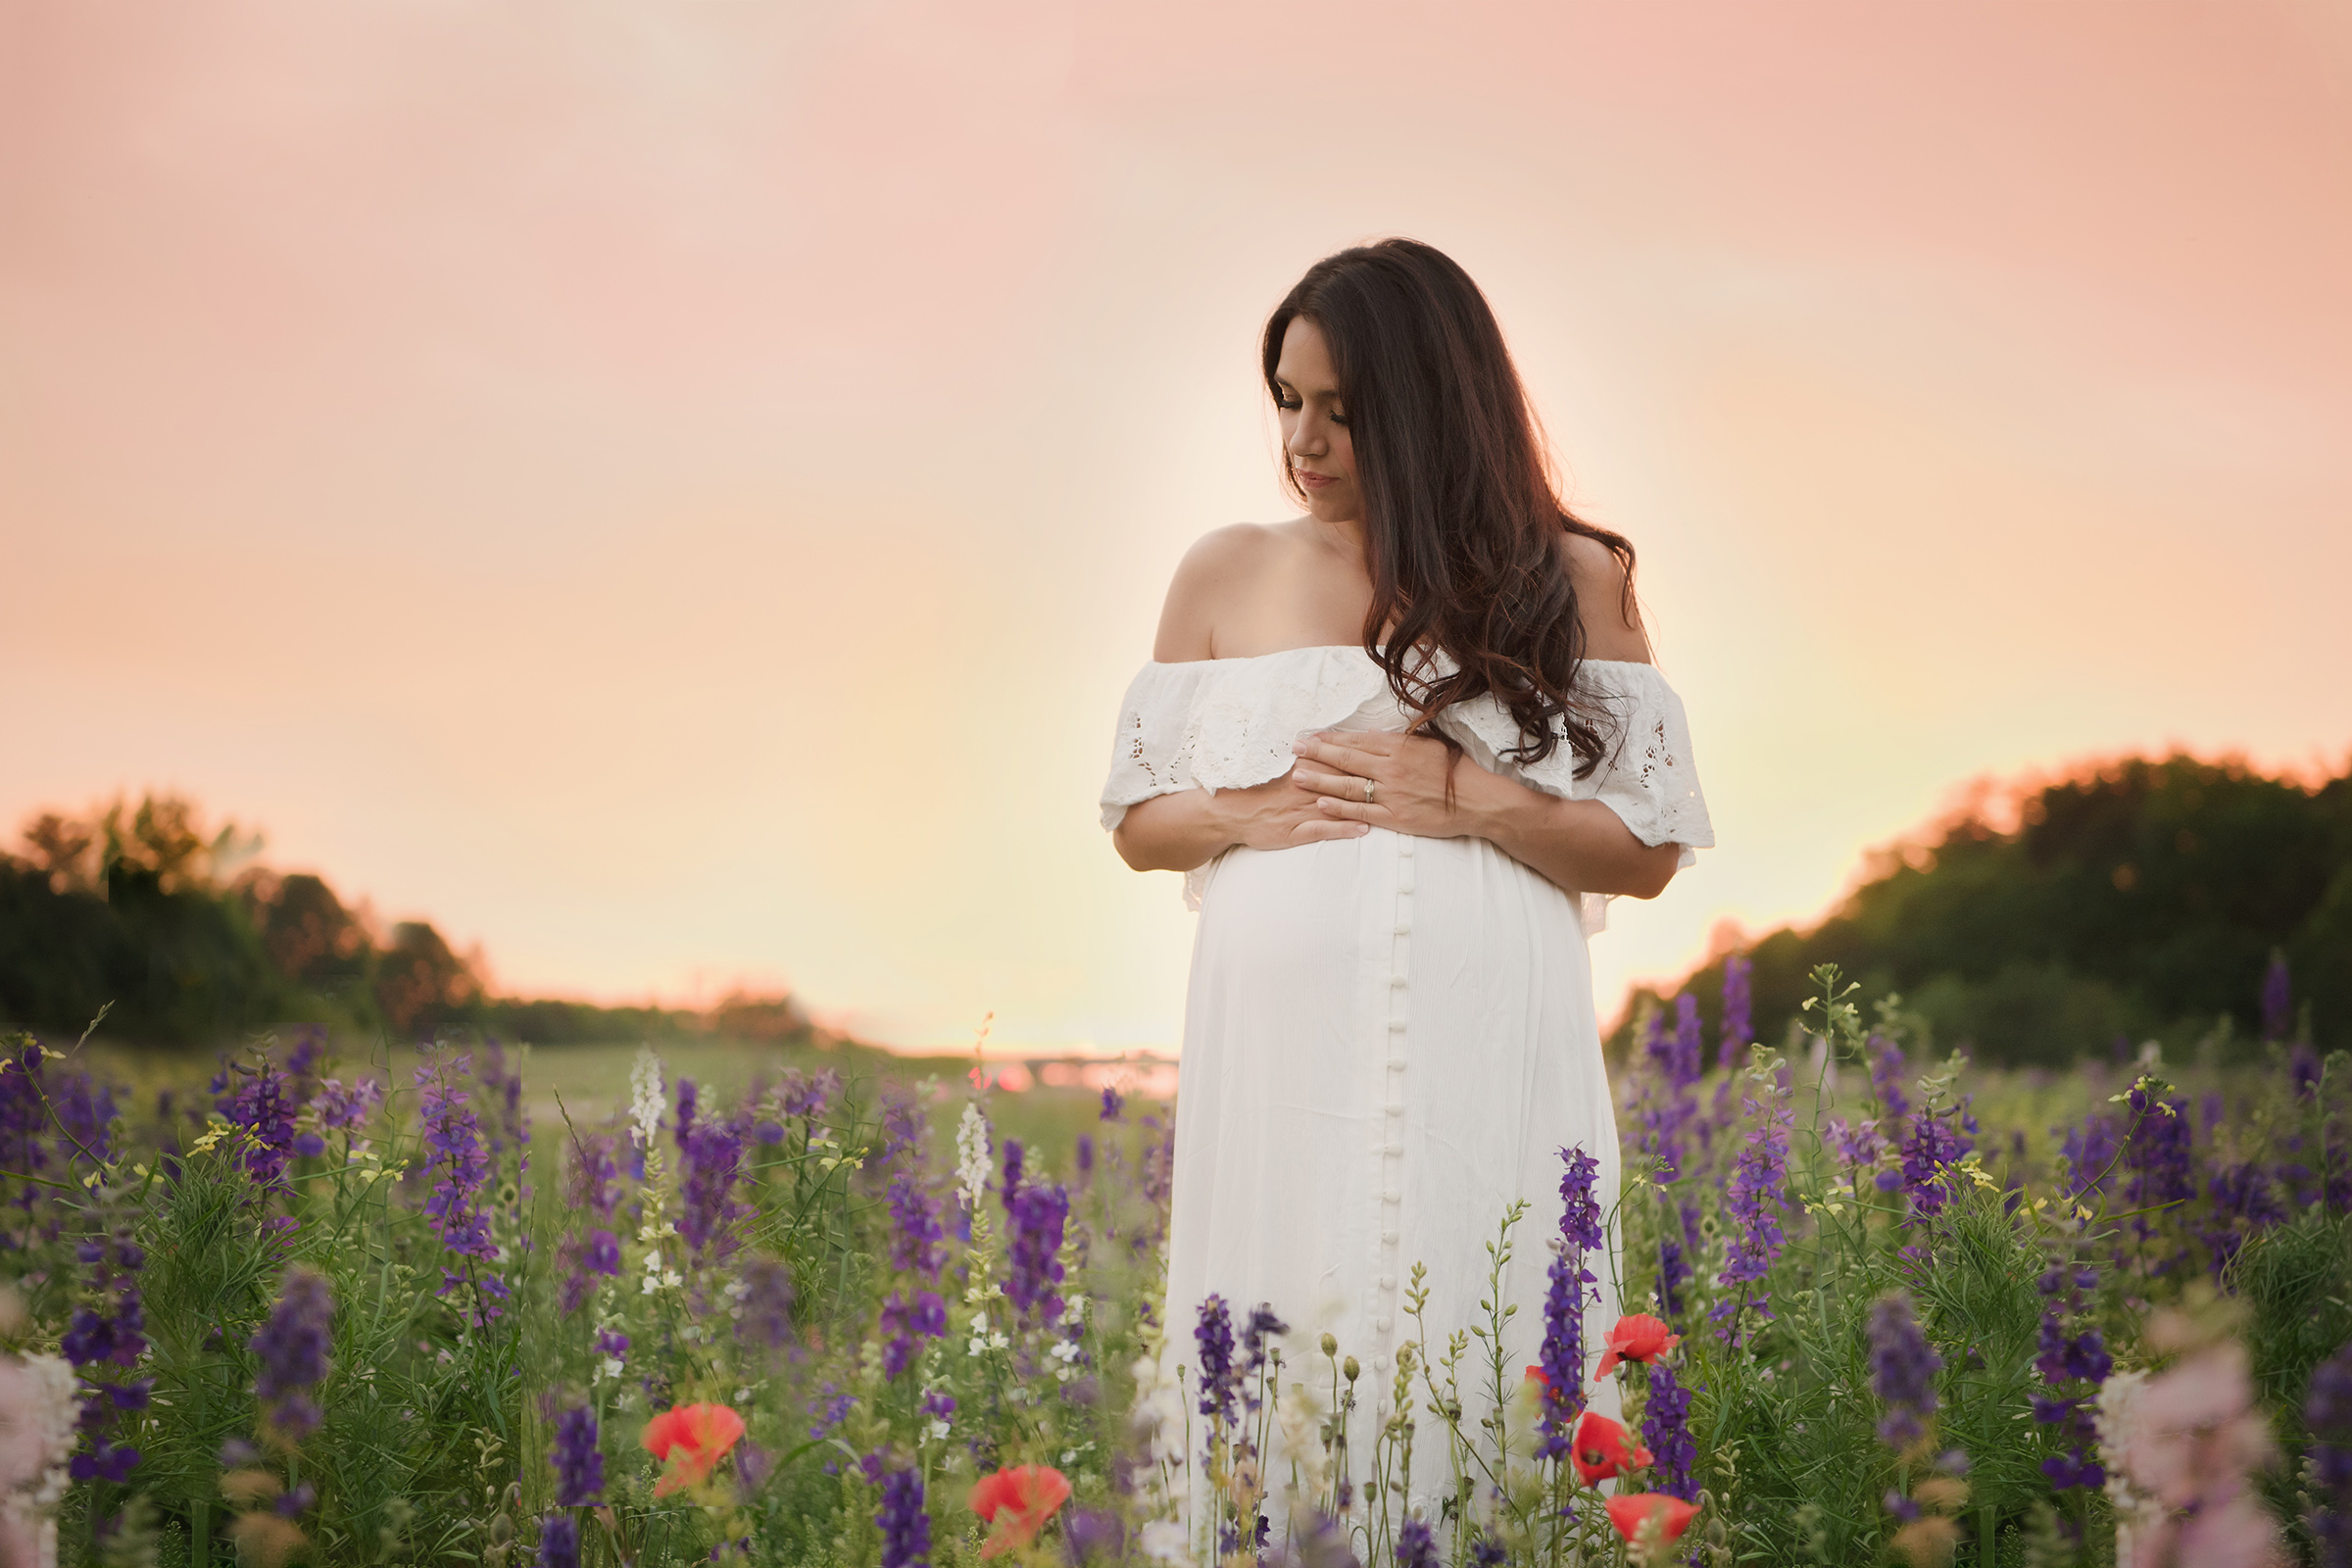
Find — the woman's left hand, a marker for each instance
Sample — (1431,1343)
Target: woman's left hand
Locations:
(1407,775)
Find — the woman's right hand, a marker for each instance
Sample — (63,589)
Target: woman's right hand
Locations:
(1191,827)
(1279,814)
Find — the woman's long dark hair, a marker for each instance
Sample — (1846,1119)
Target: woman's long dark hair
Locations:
(1461,522)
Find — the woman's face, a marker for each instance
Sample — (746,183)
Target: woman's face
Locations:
(1314,424)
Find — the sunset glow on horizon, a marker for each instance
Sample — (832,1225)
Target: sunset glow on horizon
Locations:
(674,494)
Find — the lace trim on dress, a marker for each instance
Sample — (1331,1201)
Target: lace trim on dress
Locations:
(1228,723)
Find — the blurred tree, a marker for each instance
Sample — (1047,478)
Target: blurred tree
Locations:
(421,983)
(2141,898)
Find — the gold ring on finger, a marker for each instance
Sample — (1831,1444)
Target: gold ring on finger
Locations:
(1367,792)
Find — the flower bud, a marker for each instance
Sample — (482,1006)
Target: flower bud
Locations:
(1350,1369)
(1331,1344)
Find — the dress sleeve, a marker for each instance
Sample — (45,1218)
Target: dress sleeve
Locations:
(1228,723)
(1647,777)
(1151,751)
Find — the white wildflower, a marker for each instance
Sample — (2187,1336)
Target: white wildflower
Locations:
(611,1368)
(644,1097)
(971,1156)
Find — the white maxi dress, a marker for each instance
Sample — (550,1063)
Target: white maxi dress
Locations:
(1386,1039)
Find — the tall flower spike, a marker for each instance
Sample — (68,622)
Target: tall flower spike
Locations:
(1565,1298)
(578,1460)
(1212,1337)
(1902,1371)
(1753,1200)
(292,1348)
(1738,1006)
(904,1523)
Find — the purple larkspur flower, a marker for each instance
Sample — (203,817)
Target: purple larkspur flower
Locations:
(2278,998)
(1416,1547)
(1666,1433)
(611,1342)
(558,1541)
(2245,1202)
(459,1169)
(1013,1162)
(1933,1148)
(579,1459)
(916,1231)
(291,1348)
(2327,1416)
(597,1254)
(1856,1146)
(901,1517)
(1086,1156)
(1739,1028)
(939,1405)
(2072,1366)
(1033,1263)
(2089,1151)
(768,1302)
(2303,1070)
(1753,1202)
(1886,1069)
(2158,1154)
(1263,1326)
(1563,1355)
(114,1333)
(906,1321)
(262,1107)
(806,1095)
(707,1209)
(689,1104)
(1220,1384)
(345,1105)
(1902,1370)
(832,1407)
(1683,1061)
(1112,1104)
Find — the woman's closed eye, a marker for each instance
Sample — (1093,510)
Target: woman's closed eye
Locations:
(1292,406)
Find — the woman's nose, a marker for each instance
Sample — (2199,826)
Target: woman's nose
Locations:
(1305,441)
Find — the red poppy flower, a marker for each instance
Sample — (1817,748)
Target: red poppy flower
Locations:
(1603,1450)
(690,1441)
(1638,1338)
(1018,1503)
(1630,1514)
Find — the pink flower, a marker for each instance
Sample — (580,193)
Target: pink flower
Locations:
(1602,1450)
(1018,1503)
(1638,1337)
(690,1441)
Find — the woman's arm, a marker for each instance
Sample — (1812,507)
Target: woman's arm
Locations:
(1582,846)
(1579,845)
(1193,827)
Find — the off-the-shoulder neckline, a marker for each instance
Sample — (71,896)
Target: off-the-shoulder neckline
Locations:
(1342,648)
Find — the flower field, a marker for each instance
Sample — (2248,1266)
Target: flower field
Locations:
(1877,1309)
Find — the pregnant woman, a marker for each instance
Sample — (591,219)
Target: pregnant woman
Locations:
(1403,748)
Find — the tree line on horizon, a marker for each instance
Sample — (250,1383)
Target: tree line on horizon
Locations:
(2138,898)
(185,939)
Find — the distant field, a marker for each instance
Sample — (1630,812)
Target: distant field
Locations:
(591,1082)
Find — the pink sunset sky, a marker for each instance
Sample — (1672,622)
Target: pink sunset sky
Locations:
(674,493)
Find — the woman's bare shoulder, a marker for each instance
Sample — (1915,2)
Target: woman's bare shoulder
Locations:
(1611,617)
(1208,579)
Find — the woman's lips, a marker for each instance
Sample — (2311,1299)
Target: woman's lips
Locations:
(1314,481)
